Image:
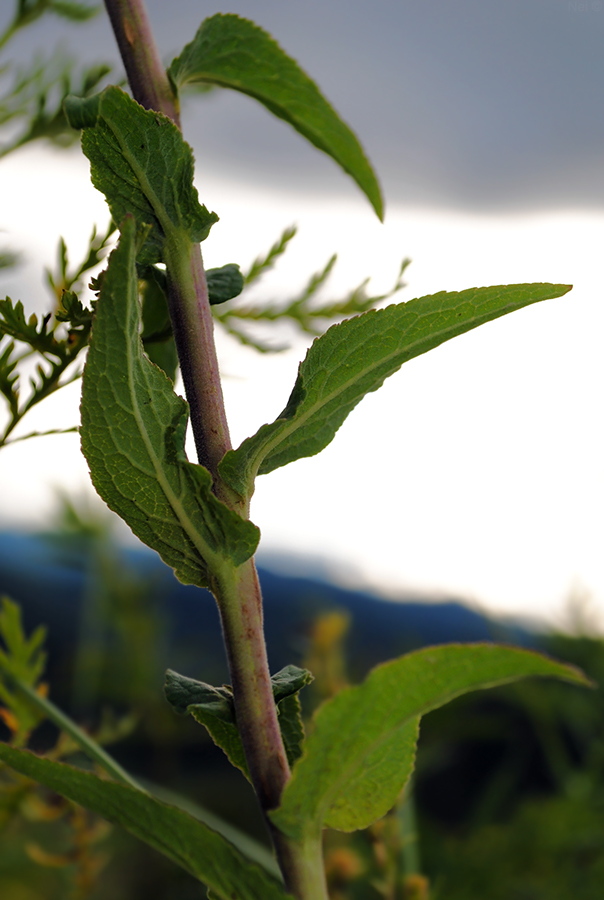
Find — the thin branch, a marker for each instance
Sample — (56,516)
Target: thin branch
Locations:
(32,434)
(88,745)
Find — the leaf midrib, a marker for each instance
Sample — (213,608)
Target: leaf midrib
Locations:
(297,422)
(168,227)
(323,807)
(166,223)
(203,550)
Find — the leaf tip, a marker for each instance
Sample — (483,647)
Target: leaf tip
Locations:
(82,112)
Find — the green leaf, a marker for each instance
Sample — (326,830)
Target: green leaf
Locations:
(158,340)
(183,692)
(287,685)
(157,336)
(214,707)
(140,162)
(133,432)
(235,53)
(360,752)
(23,661)
(77,12)
(9,378)
(189,843)
(74,312)
(24,658)
(37,334)
(289,681)
(291,727)
(224,283)
(355,357)
(225,735)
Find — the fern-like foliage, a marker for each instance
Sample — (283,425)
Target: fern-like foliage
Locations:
(23,660)
(33,102)
(305,311)
(55,342)
(32,94)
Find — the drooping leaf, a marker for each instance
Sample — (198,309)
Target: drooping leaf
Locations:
(214,707)
(291,727)
(141,163)
(235,53)
(287,685)
(202,852)
(133,431)
(360,752)
(355,357)
(289,681)
(225,735)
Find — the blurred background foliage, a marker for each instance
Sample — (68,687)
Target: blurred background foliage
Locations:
(508,796)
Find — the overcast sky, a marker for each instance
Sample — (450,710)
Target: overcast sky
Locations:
(489,104)
(478,470)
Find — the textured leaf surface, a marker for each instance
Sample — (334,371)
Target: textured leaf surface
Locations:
(360,754)
(189,843)
(182,692)
(291,727)
(133,432)
(225,735)
(355,357)
(235,53)
(214,707)
(140,162)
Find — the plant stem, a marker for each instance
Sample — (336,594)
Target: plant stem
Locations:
(302,865)
(236,589)
(146,74)
(240,605)
(193,329)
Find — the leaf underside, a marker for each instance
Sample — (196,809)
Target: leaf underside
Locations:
(193,846)
(354,358)
(235,53)
(141,163)
(360,752)
(133,432)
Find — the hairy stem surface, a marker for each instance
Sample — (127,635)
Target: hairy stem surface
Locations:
(193,328)
(146,74)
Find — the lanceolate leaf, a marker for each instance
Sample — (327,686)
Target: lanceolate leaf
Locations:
(140,162)
(235,53)
(353,358)
(360,753)
(198,849)
(133,431)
